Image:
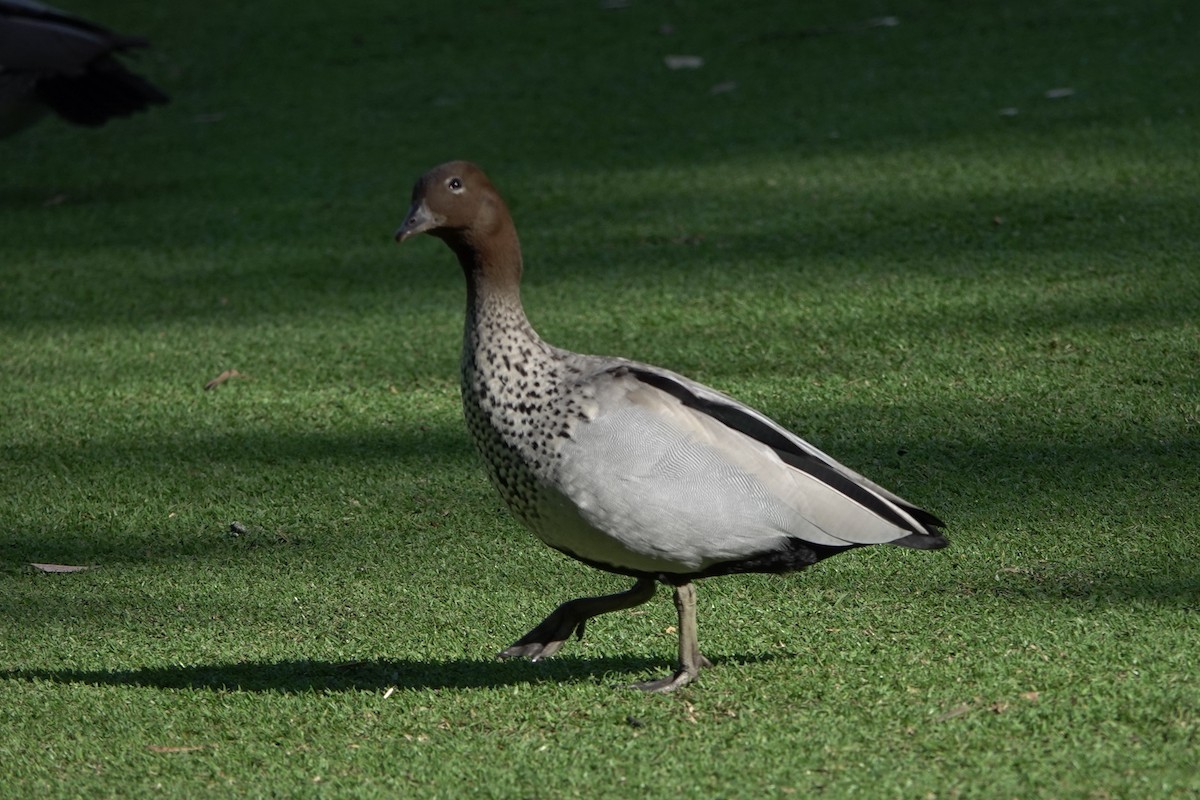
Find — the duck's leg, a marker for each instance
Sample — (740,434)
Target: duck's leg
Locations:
(571,617)
(691,660)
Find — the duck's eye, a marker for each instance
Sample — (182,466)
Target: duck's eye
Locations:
(455,185)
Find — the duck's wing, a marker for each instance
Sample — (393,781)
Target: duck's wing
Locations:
(45,41)
(791,448)
(665,463)
(67,64)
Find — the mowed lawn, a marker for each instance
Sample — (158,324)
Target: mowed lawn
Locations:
(955,245)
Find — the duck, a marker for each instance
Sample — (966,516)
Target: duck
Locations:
(52,61)
(628,467)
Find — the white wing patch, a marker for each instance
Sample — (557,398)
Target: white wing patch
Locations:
(660,486)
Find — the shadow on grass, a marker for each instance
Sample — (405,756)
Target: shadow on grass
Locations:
(1164,584)
(299,677)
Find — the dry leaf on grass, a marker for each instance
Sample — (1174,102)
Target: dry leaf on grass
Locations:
(1060,92)
(227,375)
(58,568)
(957,711)
(683,62)
(998,707)
(163,748)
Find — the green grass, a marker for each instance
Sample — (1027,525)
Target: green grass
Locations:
(996,315)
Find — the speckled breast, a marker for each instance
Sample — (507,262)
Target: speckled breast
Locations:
(515,413)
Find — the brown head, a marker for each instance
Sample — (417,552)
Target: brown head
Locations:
(459,205)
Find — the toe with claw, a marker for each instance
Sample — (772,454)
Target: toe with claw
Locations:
(571,618)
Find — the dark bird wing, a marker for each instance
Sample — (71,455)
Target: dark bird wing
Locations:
(67,64)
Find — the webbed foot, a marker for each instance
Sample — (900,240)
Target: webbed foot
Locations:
(571,618)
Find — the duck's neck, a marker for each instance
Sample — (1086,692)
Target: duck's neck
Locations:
(493,279)
(492,267)
(490,256)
